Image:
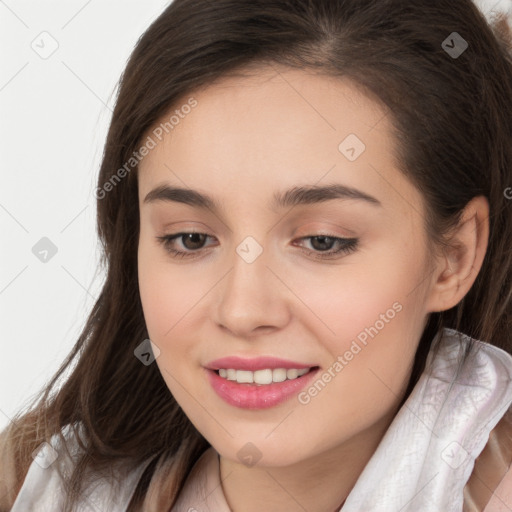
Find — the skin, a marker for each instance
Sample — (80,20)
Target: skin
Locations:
(248,137)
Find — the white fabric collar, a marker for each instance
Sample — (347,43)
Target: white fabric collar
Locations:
(428,453)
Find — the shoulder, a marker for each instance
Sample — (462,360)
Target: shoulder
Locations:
(490,485)
(44,487)
(9,485)
(501,499)
(19,487)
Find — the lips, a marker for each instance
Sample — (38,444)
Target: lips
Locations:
(252,396)
(249,395)
(258,363)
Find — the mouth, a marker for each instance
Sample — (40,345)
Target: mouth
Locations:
(263,377)
(259,389)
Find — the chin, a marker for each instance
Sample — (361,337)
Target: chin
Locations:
(261,453)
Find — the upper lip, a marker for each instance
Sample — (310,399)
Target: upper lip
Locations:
(254,364)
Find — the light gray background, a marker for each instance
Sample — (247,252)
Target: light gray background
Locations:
(54,113)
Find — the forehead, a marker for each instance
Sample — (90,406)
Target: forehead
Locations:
(269,128)
(273,99)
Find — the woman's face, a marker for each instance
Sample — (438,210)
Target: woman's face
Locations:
(260,277)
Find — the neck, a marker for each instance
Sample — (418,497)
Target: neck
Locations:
(319,483)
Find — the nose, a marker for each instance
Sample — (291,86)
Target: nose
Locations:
(251,299)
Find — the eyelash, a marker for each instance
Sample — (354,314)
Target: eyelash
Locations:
(348,245)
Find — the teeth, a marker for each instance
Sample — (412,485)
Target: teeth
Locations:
(262,377)
(244,376)
(278,375)
(292,374)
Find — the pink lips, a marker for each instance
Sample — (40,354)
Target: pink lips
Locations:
(253,396)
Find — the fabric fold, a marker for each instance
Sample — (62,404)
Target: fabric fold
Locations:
(428,452)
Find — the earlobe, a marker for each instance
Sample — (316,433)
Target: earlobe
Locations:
(462,259)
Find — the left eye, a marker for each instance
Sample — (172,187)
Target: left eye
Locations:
(193,243)
(345,245)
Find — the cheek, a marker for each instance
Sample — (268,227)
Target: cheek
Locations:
(165,304)
(345,301)
(173,305)
(162,297)
(372,315)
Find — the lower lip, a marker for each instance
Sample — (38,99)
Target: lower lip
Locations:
(252,396)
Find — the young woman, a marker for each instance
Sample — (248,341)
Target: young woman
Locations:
(306,214)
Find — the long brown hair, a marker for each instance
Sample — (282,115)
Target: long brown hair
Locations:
(453,128)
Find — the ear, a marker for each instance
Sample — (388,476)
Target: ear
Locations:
(460,263)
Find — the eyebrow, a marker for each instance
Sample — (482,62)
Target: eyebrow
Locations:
(295,196)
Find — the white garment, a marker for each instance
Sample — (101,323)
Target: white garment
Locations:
(490,8)
(422,463)
(428,453)
(43,491)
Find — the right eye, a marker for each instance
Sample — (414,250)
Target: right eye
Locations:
(191,241)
